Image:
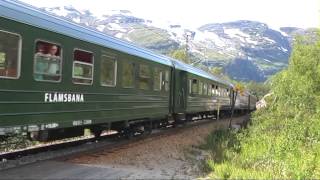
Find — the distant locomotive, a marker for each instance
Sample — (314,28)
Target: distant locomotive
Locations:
(58,78)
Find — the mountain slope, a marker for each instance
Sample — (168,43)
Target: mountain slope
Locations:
(246,50)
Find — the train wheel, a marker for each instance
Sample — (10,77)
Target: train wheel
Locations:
(148,128)
(33,136)
(189,117)
(129,133)
(96,132)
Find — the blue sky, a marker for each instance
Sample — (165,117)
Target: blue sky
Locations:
(194,13)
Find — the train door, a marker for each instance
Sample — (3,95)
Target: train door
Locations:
(180,91)
(183,90)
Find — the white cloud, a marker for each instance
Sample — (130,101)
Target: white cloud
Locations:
(194,13)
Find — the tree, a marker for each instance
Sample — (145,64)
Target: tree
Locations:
(181,55)
(258,89)
(216,70)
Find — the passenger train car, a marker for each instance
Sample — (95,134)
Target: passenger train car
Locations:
(58,78)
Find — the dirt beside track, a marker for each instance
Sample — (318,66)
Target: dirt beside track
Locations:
(159,157)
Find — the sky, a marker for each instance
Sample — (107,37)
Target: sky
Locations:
(194,13)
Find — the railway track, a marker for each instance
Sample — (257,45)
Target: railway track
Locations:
(43,148)
(71,149)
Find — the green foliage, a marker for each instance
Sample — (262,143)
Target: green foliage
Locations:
(258,89)
(181,55)
(216,70)
(283,140)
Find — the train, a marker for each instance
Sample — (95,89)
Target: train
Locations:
(58,78)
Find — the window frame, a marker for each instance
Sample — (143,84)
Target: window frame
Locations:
(205,89)
(115,70)
(192,86)
(61,60)
(160,76)
(133,85)
(166,81)
(200,86)
(219,91)
(148,78)
(18,56)
(80,62)
(213,90)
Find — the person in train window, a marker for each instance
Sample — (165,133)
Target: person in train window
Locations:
(40,50)
(41,62)
(53,68)
(53,51)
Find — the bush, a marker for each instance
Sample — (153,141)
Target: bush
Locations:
(283,140)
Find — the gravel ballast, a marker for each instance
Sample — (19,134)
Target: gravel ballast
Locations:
(159,157)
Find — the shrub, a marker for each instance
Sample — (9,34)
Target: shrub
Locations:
(283,140)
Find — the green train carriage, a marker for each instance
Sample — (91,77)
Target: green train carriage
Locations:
(78,92)
(198,93)
(58,78)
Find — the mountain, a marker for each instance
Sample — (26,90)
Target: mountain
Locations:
(246,50)
(121,24)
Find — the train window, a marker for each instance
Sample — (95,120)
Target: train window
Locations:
(157,79)
(82,67)
(166,80)
(209,90)
(217,91)
(127,75)
(10,48)
(205,89)
(194,86)
(108,71)
(144,77)
(213,89)
(200,87)
(47,62)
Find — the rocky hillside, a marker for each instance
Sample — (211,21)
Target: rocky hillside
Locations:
(246,50)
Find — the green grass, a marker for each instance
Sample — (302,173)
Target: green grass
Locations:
(267,149)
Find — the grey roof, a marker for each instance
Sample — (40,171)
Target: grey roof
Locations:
(186,67)
(27,14)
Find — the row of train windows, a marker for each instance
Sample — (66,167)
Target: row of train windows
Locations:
(206,89)
(48,66)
